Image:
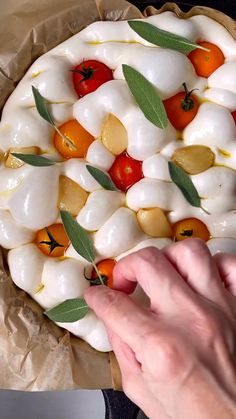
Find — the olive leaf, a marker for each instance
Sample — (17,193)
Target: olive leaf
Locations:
(163,38)
(102,178)
(146,96)
(34,159)
(68,311)
(75,309)
(41,106)
(78,236)
(80,240)
(185,184)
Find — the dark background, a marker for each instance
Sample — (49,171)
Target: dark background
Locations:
(226,6)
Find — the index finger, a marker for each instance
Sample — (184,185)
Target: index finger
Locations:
(154,273)
(121,315)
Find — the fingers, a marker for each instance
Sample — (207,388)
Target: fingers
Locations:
(227,268)
(195,264)
(121,315)
(132,381)
(155,274)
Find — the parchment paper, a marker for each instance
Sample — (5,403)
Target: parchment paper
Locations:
(35,354)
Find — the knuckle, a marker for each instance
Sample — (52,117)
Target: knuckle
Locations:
(167,353)
(148,255)
(193,246)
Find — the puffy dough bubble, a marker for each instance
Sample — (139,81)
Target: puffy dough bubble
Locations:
(226,156)
(165,69)
(83,326)
(111,97)
(119,233)
(99,156)
(107,31)
(150,193)
(26,265)
(215,181)
(34,204)
(170,148)
(223,225)
(212,126)
(71,253)
(156,167)
(92,330)
(63,279)
(222,245)
(139,129)
(11,178)
(98,337)
(153,242)
(12,234)
(224,77)
(99,207)
(114,97)
(219,204)
(23,127)
(221,97)
(42,75)
(208,28)
(76,170)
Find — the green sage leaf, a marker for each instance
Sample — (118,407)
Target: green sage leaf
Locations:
(34,159)
(185,184)
(146,96)
(163,38)
(78,236)
(68,311)
(41,106)
(102,178)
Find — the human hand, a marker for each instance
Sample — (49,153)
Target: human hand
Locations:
(177,358)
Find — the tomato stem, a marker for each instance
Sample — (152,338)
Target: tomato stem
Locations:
(87,73)
(187,103)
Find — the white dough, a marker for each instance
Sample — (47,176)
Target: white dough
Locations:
(99,207)
(29,195)
(118,234)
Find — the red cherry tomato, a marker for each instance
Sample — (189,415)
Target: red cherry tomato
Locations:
(89,75)
(125,171)
(234,115)
(181,108)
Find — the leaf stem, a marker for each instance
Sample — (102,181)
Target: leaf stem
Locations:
(203,209)
(98,273)
(65,138)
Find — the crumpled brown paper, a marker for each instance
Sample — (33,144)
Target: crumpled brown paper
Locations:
(35,354)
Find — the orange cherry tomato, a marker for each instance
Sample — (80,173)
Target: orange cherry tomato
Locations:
(206,62)
(190,227)
(52,240)
(89,75)
(181,108)
(105,268)
(234,115)
(77,135)
(125,171)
